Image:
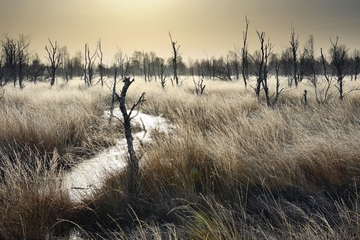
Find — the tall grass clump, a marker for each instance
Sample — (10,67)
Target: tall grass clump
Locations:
(32,203)
(233,168)
(67,119)
(43,131)
(229,168)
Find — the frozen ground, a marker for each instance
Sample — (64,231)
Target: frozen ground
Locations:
(88,175)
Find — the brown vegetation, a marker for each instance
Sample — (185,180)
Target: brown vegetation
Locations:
(231,169)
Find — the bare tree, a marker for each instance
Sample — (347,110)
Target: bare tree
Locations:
(89,65)
(244,54)
(133,164)
(175,52)
(261,58)
(323,84)
(8,45)
(16,57)
(23,56)
(236,63)
(122,62)
(36,68)
(323,94)
(75,66)
(286,65)
(65,60)
(136,63)
(101,66)
(152,65)
(340,63)
(294,44)
(228,69)
(161,72)
(221,68)
(209,64)
(355,64)
(311,68)
(278,91)
(53,58)
(145,65)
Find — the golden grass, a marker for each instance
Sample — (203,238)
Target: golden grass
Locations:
(32,204)
(231,169)
(62,118)
(228,144)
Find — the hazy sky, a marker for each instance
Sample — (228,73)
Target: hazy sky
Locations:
(201,27)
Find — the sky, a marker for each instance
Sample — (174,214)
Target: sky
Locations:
(202,28)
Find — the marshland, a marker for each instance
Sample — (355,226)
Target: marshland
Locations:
(232,168)
(246,146)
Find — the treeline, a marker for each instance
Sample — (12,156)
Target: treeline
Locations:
(17,63)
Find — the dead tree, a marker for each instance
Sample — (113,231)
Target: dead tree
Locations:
(101,66)
(278,91)
(54,57)
(267,51)
(132,180)
(16,57)
(199,86)
(89,65)
(294,45)
(355,65)
(261,58)
(236,63)
(323,95)
(145,66)
(228,70)
(9,71)
(175,52)
(123,62)
(23,44)
(339,60)
(323,84)
(311,68)
(162,68)
(244,54)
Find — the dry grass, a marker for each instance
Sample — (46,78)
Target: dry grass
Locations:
(32,204)
(257,173)
(64,118)
(232,169)
(42,131)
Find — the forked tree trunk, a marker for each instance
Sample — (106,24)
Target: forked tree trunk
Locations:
(132,178)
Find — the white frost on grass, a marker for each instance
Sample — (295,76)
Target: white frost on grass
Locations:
(88,175)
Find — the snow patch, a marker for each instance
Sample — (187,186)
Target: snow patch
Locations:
(89,174)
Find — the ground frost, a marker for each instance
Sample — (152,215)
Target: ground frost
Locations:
(88,175)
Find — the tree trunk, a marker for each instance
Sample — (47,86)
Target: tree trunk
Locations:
(132,180)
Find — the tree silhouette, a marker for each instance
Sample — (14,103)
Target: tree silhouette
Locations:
(175,52)
(53,58)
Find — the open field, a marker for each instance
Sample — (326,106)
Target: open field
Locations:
(232,168)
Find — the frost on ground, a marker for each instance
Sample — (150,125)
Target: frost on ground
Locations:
(88,175)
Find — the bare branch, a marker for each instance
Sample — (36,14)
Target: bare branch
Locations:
(244,55)
(53,58)
(175,52)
